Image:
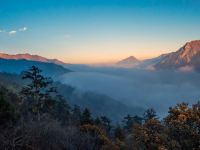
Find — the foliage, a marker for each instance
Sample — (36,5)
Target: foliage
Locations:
(149,114)
(150,135)
(86,117)
(8,112)
(37,94)
(183,124)
(38,118)
(130,121)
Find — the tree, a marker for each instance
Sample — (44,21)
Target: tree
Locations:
(76,115)
(95,138)
(106,123)
(61,111)
(38,91)
(183,124)
(149,114)
(130,121)
(119,133)
(97,121)
(7,111)
(150,135)
(86,117)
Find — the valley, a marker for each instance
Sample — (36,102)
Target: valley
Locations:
(121,85)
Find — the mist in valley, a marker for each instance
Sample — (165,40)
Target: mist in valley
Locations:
(138,87)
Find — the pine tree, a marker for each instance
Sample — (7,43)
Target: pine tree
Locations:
(119,133)
(97,121)
(76,115)
(86,117)
(106,123)
(130,121)
(7,111)
(149,114)
(62,110)
(38,91)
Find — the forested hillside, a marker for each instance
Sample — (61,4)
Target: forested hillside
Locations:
(99,104)
(35,116)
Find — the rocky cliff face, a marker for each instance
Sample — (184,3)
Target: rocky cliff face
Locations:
(186,56)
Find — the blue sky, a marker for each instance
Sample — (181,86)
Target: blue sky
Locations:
(93,31)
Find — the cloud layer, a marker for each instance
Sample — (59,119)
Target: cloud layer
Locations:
(139,87)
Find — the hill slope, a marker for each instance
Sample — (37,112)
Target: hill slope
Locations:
(99,104)
(17,66)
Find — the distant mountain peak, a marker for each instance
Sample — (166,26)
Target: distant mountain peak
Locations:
(130,61)
(28,56)
(131,57)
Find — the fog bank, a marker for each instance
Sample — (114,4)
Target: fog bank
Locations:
(134,87)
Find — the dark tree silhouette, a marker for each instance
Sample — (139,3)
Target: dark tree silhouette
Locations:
(76,115)
(149,114)
(119,133)
(7,111)
(130,121)
(38,91)
(106,123)
(61,110)
(86,117)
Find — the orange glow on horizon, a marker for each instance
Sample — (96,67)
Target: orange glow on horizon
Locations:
(93,59)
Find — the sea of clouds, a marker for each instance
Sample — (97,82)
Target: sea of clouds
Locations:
(138,87)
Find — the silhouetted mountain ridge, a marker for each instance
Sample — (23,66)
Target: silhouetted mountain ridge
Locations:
(17,66)
(28,56)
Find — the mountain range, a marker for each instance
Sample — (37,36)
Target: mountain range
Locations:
(28,56)
(186,58)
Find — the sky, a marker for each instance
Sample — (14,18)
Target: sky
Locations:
(97,31)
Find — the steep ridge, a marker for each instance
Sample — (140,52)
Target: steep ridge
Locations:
(187,56)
